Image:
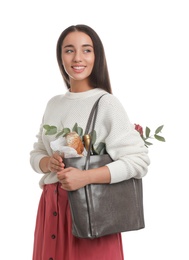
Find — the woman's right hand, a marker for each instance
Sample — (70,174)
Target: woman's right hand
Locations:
(52,163)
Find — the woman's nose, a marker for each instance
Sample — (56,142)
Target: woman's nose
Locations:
(77,57)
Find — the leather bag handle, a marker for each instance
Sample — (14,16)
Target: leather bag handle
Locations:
(91,122)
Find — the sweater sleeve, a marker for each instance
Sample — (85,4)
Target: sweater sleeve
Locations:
(124,144)
(39,151)
(41,147)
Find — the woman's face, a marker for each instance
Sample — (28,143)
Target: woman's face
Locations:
(78,55)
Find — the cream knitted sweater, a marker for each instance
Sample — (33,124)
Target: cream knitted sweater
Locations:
(123,142)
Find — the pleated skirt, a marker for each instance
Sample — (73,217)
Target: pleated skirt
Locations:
(53,239)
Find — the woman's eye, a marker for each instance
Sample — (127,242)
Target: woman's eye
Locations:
(87,50)
(69,51)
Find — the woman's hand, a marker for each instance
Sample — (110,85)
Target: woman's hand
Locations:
(51,163)
(55,163)
(72,178)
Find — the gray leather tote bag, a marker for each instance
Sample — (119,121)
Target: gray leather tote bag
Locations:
(103,209)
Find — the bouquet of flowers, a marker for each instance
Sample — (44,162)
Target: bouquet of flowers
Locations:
(72,142)
(145,135)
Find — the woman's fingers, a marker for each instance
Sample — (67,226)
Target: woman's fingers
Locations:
(55,163)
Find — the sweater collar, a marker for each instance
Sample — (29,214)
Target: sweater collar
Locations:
(84,94)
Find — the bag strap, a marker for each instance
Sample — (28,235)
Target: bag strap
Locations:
(92,116)
(91,123)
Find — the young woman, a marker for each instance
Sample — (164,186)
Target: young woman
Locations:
(82,63)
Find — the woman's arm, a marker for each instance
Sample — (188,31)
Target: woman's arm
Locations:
(73,179)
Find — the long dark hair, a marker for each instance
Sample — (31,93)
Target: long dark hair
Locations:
(99,77)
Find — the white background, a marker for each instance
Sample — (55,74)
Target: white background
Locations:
(146,44)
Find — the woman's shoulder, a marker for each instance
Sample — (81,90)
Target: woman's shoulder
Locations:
(55,99)
(111,100)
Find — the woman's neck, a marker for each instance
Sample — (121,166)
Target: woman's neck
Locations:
(79,86)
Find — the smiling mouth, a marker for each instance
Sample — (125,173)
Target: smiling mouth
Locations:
(78,68)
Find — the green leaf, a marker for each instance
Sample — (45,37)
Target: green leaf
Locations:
(74,129)
(148,143)
(66,131)
(50,130)
(101,148)
(158,130)
(93,134)
(46,127)
(159,138)
(80,131)
(147,132)
(60,133)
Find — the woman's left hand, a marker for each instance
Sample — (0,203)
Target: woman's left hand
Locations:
(72,178)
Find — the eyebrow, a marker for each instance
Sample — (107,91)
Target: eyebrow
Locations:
(72,46)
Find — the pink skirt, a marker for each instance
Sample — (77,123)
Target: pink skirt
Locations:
(53,239)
